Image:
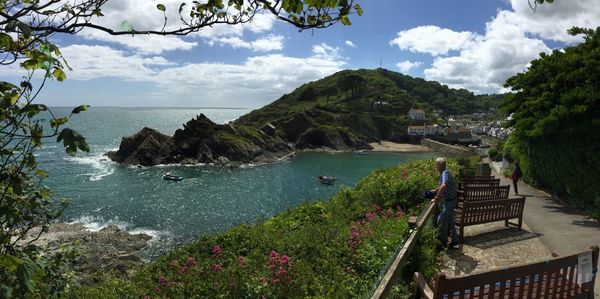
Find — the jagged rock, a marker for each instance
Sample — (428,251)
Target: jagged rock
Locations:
(108,249)
(200,141)
(147,147)
(329,138)
(296,126)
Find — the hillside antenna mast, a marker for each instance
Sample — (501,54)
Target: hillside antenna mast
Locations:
(380,62)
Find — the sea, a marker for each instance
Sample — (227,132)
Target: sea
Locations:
(210,199)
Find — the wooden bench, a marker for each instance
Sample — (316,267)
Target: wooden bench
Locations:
(554,278)
(478,193)
(485,211)
(478,183)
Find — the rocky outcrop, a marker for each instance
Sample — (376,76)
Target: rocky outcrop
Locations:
(147,147)
(110,249)
(332,138)
(200,141)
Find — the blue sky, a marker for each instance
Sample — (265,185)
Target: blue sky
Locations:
(470,44)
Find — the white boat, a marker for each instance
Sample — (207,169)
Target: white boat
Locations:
(170,177)
(360,152)
(327,180)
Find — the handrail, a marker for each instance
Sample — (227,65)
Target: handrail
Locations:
(395,269)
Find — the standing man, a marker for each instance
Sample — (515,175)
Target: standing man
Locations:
(446,191)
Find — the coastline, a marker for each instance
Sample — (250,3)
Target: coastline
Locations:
(388,146)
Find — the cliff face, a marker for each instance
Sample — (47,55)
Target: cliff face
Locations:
(200,141)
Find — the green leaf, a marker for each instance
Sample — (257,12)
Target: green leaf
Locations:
(5,291)
(5,41)
(345,21)
(72,140)
(56,122)
(59,74)
(30,64)
(26,85)
(80,109)
(126,26)
(10,262)
(358,9)
(34,109)
(28,273)
(161,7)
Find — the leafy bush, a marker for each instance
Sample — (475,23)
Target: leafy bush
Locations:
(555,111)
(320,249)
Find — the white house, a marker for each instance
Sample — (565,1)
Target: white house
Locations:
(416,114)
(416,130)
(433,130)
(424,130)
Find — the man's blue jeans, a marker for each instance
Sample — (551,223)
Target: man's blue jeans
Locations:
(445,221)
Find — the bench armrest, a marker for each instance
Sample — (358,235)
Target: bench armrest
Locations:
(421,289)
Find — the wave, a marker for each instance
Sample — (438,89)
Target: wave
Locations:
(95,224)
(101,164)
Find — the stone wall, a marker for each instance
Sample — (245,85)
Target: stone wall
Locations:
(446,149)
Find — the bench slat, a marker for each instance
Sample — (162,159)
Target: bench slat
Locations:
(555,278)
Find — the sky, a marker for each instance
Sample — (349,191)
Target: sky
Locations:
(471,44)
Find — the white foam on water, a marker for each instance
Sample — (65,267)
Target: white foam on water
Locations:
(101,164)
(95,224)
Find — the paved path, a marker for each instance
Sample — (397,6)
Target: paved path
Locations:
(561,229)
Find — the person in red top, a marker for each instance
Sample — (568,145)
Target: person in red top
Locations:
(516,175)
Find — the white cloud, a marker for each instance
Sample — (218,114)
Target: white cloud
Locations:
(350,44)
(114,63)
(266,44)
(256,81)
(511,40)
(143,15)
(326,52)
(144,44)
(432,39)
(407,65)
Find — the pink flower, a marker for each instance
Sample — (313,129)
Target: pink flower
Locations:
(175,263)
(242,261)
(371,216)
(232,284)
(284,260)
(274,254)
(162,280)
(216,267)
(183,270)
(376,208)
(275,280)
(216,249)
(281,272)
(146,297)
(191,262)
(173,283)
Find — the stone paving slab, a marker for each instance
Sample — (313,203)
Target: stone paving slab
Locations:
(493,246)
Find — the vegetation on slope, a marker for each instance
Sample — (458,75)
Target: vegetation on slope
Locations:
(555,116)
(346,99)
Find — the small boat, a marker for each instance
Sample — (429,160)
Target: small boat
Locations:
(327,180)
(360,152)
(169,177)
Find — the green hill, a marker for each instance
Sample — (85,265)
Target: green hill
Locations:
(344,104)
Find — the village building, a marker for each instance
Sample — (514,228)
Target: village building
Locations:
(416,114)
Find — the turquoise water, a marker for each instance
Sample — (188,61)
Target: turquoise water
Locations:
(210,199)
